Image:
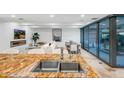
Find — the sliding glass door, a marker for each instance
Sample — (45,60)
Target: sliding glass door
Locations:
(120,41)
(92,38)
(104,40)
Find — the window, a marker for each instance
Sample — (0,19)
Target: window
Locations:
(104,40)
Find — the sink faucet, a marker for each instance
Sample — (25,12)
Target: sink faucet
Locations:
(62,54)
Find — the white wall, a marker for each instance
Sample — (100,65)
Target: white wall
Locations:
(45,34)
(7,34)
(71,34)
(67,34)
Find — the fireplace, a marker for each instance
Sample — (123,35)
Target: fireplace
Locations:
(17,43)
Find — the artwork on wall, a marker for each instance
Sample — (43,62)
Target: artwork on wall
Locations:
(19,34)
(57,34)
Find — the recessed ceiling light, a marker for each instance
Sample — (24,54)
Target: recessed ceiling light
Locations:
(52,16)
(13,16)
(82,15)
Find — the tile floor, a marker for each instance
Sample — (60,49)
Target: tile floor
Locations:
(103,69)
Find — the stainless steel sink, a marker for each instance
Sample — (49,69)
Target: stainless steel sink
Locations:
(47,66)
(69,67)
(56,66)
(50,66)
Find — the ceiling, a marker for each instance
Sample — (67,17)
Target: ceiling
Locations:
(51,21)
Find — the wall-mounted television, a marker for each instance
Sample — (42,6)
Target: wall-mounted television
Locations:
(19,34)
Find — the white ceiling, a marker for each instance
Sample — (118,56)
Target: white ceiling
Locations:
(45,21)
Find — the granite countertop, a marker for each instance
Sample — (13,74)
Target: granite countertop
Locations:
(20,66)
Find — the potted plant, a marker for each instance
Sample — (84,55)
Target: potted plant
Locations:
(35,37)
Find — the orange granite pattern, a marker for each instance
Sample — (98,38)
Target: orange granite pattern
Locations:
(12,66)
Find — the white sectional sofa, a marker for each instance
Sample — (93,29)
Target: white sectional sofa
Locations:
(49,48)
